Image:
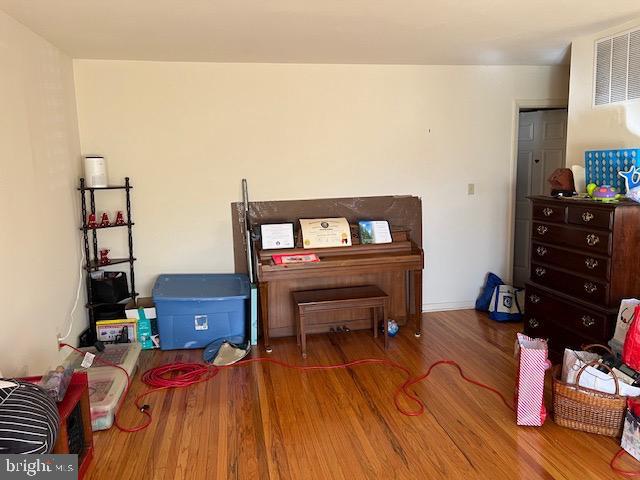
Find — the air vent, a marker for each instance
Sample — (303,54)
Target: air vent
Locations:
(617,69)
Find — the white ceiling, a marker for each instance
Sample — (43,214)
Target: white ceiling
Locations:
(534,32)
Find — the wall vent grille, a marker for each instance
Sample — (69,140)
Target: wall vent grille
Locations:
(617,68)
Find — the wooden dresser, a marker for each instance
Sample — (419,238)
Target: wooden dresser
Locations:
(585,258)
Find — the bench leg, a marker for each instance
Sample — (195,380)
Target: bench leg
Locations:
(303,336)
(296,310)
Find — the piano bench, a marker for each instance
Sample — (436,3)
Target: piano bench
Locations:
(331,299)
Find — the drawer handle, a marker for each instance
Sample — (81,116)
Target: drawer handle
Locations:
(542,229)
(533,323)
(587,217)
(534,298)
(541,271)
(593,239)
(541,251)
(588,321)
(547,212)
(590,287)
(591,263)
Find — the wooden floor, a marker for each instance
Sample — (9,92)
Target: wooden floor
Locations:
(266,422)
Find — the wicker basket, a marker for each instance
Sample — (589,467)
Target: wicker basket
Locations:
(585,409)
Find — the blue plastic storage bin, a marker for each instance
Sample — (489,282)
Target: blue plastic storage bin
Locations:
(195,309)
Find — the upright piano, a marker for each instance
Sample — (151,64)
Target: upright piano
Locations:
(394,267)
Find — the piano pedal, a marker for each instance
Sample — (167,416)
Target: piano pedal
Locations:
(346,329)
(339,329)
(332,330)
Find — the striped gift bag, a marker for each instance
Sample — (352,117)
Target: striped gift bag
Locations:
(532,363)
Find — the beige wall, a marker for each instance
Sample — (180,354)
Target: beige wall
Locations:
(602,127)
(39,160)
(188,132)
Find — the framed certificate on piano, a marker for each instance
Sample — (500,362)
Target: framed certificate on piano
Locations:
(277,235)
(325,232)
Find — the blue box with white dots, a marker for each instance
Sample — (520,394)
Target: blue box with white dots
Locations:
(602,166)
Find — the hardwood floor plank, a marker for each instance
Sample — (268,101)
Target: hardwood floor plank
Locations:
(267,422)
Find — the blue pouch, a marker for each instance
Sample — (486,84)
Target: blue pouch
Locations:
(484,300)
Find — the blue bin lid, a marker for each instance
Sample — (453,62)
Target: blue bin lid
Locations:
(217,286)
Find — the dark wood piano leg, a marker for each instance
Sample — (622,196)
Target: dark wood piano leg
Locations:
(374,319)
(385,322)
(417,299)
(264,315)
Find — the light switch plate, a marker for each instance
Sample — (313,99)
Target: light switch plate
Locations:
(471,189)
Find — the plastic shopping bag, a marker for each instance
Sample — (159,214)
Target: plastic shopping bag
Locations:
(603,382)
(573,361)
(631,433)
(631,349)
(623,322)
(532,363)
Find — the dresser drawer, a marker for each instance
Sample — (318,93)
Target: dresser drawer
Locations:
(586,289)
(557,337)
(581,263)
(592,217)
(551,312)
(535,325)
(596,241)
(560,339)
(549,212)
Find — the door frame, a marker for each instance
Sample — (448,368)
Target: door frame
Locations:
(513,169)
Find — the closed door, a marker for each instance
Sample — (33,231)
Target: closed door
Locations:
(542,140)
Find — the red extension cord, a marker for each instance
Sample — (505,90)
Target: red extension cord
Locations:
(182,375)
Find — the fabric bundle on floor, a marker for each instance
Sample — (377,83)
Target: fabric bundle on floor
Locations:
(224,351)
(29,419)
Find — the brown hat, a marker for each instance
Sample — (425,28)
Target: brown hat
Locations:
(562,179)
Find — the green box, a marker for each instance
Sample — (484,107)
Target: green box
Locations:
(145,313)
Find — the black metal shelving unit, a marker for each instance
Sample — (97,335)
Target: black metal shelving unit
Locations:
(92,262)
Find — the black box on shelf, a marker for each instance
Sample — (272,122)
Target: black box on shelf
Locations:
(109,287)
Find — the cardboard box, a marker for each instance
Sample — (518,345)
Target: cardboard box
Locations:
(145,303)
(145,314)
(108,330)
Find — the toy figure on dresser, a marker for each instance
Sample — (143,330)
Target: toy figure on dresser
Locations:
(104,256)
(562,184)
(632,179)
(91,221)
(604,193)
(104,221)
(119,218)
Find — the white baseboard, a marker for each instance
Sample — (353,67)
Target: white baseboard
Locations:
(444,306)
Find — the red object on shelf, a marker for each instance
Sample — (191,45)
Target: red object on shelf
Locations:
(91,221)
(119,218)
(284,258)
(104,256)
(104,221)
(77,396)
